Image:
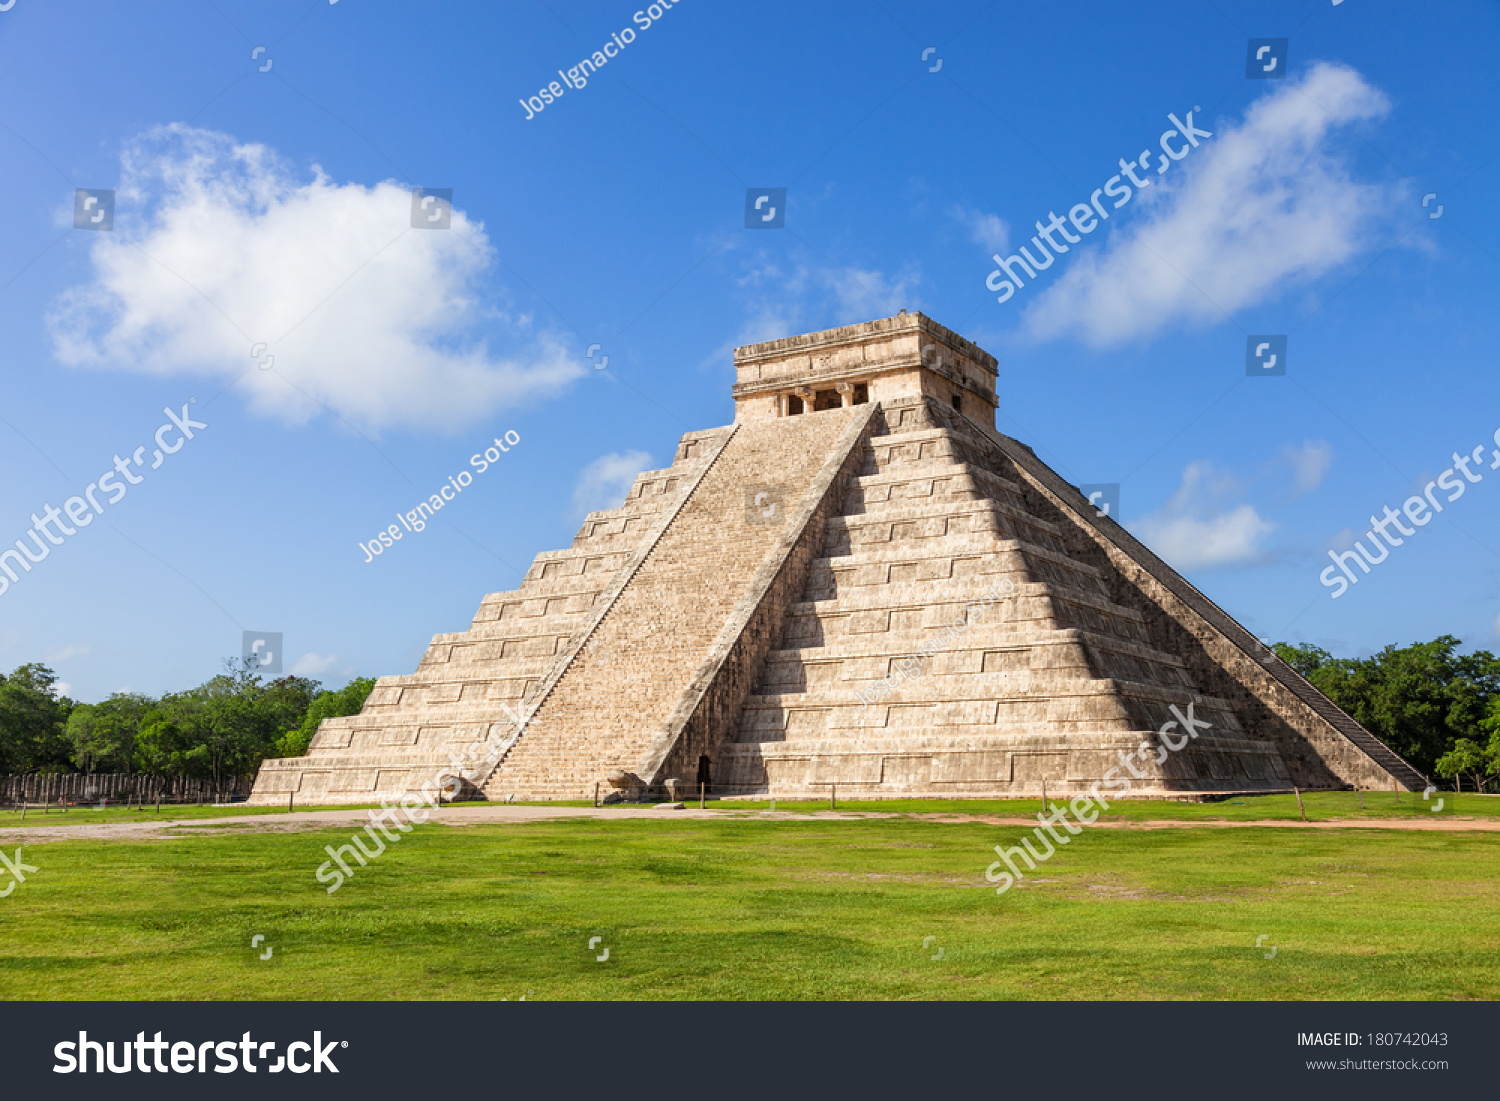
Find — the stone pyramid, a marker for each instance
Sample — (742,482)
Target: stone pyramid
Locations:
(858,583)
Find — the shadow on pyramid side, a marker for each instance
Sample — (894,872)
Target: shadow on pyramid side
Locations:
(859,583)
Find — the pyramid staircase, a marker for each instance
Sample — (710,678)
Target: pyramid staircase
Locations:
(674,616)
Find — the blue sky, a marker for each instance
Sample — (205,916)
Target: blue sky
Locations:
(273,207)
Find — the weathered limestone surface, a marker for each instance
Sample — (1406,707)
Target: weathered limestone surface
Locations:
(859,583)
(670,615)
(1092,643)
(412,725)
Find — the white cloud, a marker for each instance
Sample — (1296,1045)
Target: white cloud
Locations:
(71,650)
(605,481)
(788,299)
(988,231)
(861,294)
(1497,624)
(1197,529)
(1192,543)
(784,300)
(1256,209)
(219,246)
(315,665)
(1309,464)
(1345,538)
(62,688)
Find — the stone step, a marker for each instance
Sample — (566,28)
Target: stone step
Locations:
(412,722)
(673,609)
(977,549)
(933,480)
(1047,653)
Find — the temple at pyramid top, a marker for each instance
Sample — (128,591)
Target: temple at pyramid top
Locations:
(906,356)
(859,584)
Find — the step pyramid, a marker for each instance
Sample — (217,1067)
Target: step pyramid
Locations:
(859,585)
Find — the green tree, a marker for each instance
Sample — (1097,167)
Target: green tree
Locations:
(103,736)
(1420,699)
(286,701)
(1490,727)
(1304,657)
(1466,758)
(1490,724)
(220,730)
(80,734)
(348,700)
(230,734)
(32,722)
(161,745)
(223,730)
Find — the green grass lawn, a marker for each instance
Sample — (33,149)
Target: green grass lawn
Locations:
(88,815)
(1320,807)
(752,907)
(37,815)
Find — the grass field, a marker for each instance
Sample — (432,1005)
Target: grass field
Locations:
(745,906)
(1319,807)
(55,816)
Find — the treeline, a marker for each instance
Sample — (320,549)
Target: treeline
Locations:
(219,730)
(1436,707)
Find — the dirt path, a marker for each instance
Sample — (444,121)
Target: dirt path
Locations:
(316,819)
(477,816)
